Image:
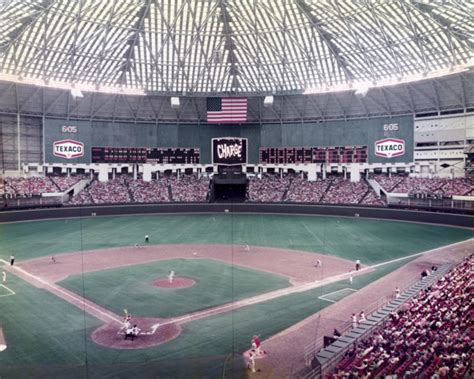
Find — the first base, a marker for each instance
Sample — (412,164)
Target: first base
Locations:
(3,347)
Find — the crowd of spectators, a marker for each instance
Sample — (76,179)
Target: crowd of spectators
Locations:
(124,189)
(304,191)
(189,188)
(269,188)
(431,337)
(65,182)
(343,191)
(82,198)
(332,190)
(36,185)
(155,191)
(425,187)
(113,191)
(31,186)
(372,199)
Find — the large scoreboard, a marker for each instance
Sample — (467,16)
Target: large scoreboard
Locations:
(330,154)
(145,155)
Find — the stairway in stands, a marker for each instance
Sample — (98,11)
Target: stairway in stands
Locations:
(326,191)
(170,193)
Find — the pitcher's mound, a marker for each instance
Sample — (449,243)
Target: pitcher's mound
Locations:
(178,282)
(152,334)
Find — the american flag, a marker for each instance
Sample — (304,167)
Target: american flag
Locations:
(226,110)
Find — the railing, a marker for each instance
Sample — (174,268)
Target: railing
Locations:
(312,349)
(345,327)
(430,203)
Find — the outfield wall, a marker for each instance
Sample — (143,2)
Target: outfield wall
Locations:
(345,211)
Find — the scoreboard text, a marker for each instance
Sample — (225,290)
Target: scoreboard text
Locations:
(159,155)
(330,154)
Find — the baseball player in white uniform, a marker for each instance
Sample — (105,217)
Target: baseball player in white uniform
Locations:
(4,277)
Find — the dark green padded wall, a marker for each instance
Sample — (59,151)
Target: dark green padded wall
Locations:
(334,133)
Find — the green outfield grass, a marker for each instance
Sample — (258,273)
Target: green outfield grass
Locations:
(49,338)
(371,241)
(131,287)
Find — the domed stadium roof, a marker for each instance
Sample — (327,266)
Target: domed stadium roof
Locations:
(198,47)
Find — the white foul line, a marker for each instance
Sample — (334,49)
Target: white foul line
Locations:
(323,297)
(241,303)
(8,289)
(81,300)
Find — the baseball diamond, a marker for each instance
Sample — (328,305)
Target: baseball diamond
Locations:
(232,290)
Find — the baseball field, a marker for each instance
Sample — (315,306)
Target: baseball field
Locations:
(63,318)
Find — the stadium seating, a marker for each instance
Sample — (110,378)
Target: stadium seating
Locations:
(270,188)
(65,182)
(430,336)
(436,187)
(123,189)
(333,190)
(36,185)
(189,188)
(155,191)
(32,186)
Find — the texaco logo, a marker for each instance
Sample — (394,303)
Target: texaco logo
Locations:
(389,147)
(68,148)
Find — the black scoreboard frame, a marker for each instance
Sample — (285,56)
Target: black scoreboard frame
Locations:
(307,154)
(151,155)
(244,143)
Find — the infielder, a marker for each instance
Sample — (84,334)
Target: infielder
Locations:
(12,260)
(357,265)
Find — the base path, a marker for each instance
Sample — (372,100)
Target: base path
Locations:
(286,349)
(298,266)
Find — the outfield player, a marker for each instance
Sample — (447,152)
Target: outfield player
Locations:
(4,277)
(147,239)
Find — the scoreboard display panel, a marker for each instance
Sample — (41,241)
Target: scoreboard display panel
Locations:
(286,155)
(145,155)
(330,154)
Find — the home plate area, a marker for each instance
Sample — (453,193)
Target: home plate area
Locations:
(153,332)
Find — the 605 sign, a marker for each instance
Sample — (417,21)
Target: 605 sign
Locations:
(69,129)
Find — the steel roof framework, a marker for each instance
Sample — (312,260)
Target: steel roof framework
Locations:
(199,47)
